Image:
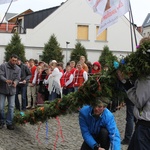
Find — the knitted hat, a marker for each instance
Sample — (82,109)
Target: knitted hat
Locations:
(97,64)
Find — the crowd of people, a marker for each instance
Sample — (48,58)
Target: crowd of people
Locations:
(51,81)
(30,83)
(37,81)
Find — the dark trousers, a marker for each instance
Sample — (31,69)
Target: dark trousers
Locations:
(129,120)
(140,139)
(102,139)
(67,90)
(23,91)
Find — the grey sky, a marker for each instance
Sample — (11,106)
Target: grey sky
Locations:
(140,8)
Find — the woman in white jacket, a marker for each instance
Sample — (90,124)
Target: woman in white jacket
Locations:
(53,81)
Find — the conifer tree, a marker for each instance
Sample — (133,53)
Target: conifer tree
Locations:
(52,51)
(107,57)
(78,51)
(15,47)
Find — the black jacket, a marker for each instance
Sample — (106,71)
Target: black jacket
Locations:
(25,74)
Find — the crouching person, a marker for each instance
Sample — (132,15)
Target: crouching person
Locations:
(98,127)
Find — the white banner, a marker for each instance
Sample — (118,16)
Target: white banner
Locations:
(112,14)
(109,18)
(123,7)
(6,1)
(98,6)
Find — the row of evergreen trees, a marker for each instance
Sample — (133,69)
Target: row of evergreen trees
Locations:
(53,51)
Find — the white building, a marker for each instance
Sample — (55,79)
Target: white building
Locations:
(74,21)
(146,26)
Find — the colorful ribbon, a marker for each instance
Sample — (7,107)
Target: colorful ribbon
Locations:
(37,133)
(46,131)
(59,131)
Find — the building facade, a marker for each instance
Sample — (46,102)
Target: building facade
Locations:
(146,26)
(71,22)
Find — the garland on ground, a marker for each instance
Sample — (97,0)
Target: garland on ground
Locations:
(104,85)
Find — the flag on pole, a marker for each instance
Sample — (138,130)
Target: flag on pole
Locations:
(112,14)
(110,10)
(123,7)
(6,1)
(98,6)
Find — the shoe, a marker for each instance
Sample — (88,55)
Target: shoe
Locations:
(10,127)
(24,109)
(125,142)
(33,107)
(1,125)
(28,107)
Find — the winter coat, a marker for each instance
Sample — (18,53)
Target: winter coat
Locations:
(25,74)
(140,97)
(90,126)
(9,72)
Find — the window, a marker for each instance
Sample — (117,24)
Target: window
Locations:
(19,25)
(82,32)
(102,36)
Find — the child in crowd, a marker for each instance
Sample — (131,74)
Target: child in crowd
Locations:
(31,89)
(72,65)
(40,97)
(82,61)
(96,68)
(41,87)
(62,81)
(80,76)
(48,72)
(89,64)
(68,81)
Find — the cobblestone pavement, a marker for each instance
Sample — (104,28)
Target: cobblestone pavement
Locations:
(37,137)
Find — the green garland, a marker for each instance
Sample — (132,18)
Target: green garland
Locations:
(104,85)
(137,64)
(69,103)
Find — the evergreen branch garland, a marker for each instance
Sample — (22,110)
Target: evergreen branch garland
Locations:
(104,85)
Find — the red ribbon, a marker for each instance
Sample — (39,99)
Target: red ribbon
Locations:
(37,133)
(59,131)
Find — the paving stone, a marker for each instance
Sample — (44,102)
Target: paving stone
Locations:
(27,137)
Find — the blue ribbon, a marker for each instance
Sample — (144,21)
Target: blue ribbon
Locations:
(22,114)
(116,64)
(123,61)
(46,131)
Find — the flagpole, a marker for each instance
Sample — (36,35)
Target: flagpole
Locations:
(6,12)
(132,22)
(132,28)
(131,31)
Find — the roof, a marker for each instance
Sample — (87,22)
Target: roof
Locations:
(10,15)
(7,17)
(146,21)
(33,19)
(14,18)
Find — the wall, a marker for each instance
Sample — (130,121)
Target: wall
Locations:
(63,23)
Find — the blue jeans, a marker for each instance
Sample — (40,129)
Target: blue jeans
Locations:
(76,89)
(10,112)
(129,120)
(23,92)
